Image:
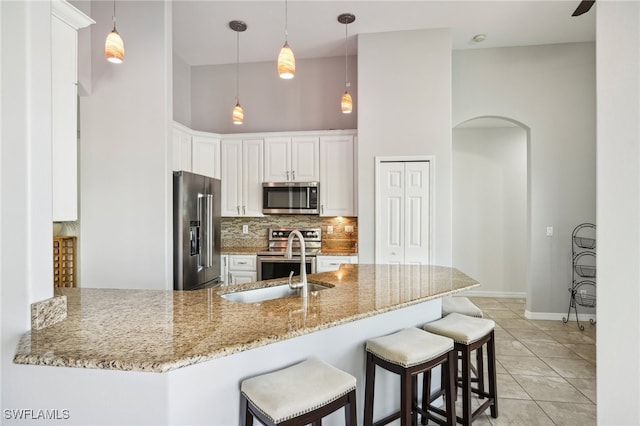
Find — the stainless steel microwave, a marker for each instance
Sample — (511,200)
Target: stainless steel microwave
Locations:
(290,198)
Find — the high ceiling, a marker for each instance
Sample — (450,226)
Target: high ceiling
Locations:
(201,35)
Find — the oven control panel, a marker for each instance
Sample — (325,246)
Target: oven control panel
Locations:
(312,234)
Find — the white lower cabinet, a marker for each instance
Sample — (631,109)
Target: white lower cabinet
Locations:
(241,269)
(332,263)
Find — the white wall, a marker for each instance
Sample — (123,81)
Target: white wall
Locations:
(404,83)
(618,349)
(490,207)
(181,91)
(125,152)
(26,269)
(550,89)
(311,101)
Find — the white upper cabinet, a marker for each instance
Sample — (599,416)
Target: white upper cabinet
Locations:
(181,141)
(337,176)
(196,152)
(205,155)
(66,20)
(241,176)
(289,159)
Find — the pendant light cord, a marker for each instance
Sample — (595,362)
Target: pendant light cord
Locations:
(237,66)
(346,62)
(114,15)
(286,22)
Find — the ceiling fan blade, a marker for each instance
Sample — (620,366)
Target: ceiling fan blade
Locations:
(583,7)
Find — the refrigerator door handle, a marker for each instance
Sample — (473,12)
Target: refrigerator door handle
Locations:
(210,230)
(202,218)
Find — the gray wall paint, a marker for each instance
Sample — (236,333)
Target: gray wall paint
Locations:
(551,89)
(310,101)
(490,207)
(125,187)
(405,110)
(181,91)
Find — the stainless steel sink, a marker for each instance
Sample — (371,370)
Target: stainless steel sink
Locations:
(269,293)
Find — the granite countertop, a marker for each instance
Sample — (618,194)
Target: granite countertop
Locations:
(160,331)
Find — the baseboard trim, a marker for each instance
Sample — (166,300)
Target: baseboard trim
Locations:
(557,316)
(554,316)
(500,294)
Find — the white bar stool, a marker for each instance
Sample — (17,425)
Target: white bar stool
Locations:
(298,395)
(408,353)
(461,305)
(470,334)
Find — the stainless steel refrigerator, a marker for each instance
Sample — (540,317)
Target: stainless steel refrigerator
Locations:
(196,231)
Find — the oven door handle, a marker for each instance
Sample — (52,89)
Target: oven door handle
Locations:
(282,259)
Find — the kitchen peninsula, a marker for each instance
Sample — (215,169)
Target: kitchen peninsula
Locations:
(223,342)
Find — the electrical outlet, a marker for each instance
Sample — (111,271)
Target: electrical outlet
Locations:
(245,229)
(549,231)
(329,229)
(348,229)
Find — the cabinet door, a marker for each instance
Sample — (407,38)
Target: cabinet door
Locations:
(252,169)
(332,263)
(277,159)
(224,269)
(305,164)
(231,176)
(181,141)
(206,155)
(337,176)
(242,277)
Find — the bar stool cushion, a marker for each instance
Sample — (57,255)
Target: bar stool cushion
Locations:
(409,347)
(461,305)
(296,390)
(461,328)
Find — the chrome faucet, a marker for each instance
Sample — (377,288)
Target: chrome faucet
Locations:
(303,263)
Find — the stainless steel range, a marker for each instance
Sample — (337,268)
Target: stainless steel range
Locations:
(272,262)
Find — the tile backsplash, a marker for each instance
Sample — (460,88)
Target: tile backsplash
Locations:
(232,236)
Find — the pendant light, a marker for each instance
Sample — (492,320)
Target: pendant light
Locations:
(114,46)
(286,60)
(346,103)
(238,113)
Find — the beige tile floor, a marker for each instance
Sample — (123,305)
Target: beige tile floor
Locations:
(546,370)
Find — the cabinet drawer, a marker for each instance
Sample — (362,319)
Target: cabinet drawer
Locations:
(332,263)
(242,263)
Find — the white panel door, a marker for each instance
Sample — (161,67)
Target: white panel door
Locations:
(416,248)
(403,213)
(392,215)
(305,164)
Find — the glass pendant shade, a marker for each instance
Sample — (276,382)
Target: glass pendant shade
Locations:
(286,62)
(238,114)
(114,47)
(346,103)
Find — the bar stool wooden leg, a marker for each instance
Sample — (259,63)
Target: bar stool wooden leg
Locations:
(491,356)
(370,377)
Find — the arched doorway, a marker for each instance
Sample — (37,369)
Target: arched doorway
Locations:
(490,204)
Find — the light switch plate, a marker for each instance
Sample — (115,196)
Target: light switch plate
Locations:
(348,229)
(549,231)
(329,229)
(245,229)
